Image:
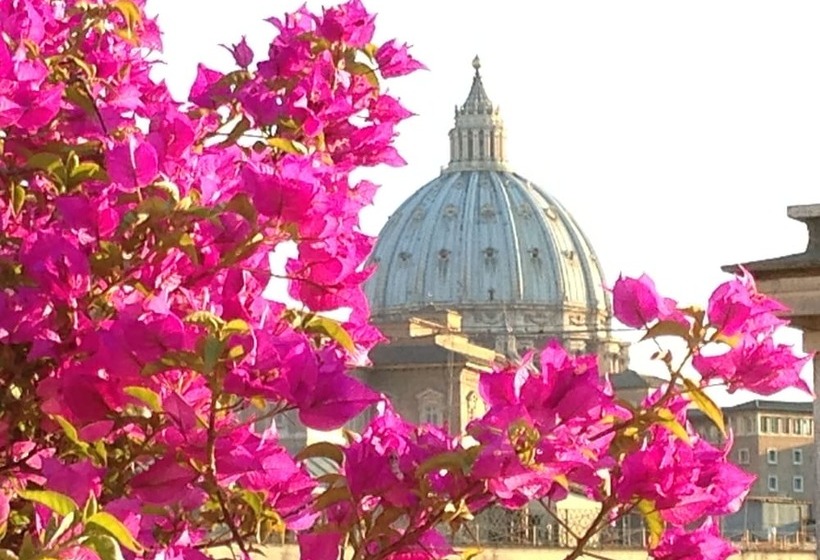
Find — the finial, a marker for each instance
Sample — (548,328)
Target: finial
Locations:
(476,64)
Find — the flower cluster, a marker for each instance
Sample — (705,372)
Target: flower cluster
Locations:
(135,343)
(670,473)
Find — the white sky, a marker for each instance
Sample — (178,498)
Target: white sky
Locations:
(675,132)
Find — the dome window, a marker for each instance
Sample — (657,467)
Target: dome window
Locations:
(550,213)
(418,214)
(444,254)
(450,211)
(405,256)
(534,253)
(487,211)
(490,252)
(569,254)
(524,210)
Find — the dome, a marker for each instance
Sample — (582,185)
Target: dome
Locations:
(483,238)
(486,242)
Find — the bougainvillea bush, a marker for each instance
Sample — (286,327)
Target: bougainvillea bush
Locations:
(138,358)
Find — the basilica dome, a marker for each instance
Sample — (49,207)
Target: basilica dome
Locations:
(482,240)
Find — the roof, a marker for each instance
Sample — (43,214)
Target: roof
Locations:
(773,406)
(630,379)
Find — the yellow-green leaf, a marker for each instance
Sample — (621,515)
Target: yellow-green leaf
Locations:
(450,461)
(652,519)
(668,328)
(286,145)
(322,449)
(70,431)
(106,547)
(150,398)
(666,418)
(332,329)
(206,319)
(18,198)
(117,529)
(705,404)
(56,502)
(235,326)
(131,13)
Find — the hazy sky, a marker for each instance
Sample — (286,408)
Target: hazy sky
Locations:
(677,133)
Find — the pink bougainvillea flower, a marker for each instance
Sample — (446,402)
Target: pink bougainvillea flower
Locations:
(395,60)
(636,303)
(703,543)
(762,366)
(685,481)
(242,53)
(737,307)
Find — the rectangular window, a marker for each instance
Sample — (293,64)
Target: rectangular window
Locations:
(772,483)
(775,425)
(798,427)
(797,456)
(771,456)
(765,425)
(797,484)
(787,425)
(743,456)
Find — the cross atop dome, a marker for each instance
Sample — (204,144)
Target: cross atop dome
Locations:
(477,140)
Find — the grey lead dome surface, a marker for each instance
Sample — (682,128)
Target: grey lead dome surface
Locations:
(488,243)
(483,238)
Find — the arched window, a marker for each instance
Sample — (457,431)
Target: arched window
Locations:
(431,407)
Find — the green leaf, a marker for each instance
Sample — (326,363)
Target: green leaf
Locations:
(364,70)
(705,404)
(61,528)
(150,398)
(333,496)
(18,198)
(85,171)
(450,461)
(114,526)
(211,353)
(52,165)
(652,519)
(56,502)
(332,329)
(668,328)
(253,500)
(322,449)
(106,547)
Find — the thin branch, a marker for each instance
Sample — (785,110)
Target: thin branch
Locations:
(560,521)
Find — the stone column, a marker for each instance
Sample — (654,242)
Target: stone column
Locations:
(811,343)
